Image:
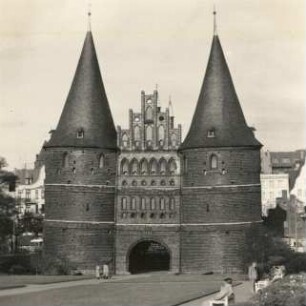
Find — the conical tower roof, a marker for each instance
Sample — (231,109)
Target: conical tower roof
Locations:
(86,120)
(218,120)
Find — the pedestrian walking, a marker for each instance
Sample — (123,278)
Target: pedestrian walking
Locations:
(105,271)
(253,274)
(98,273)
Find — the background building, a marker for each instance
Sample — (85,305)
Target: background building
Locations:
(273,186)
(279,172)
(295,226)
(29,193)
(288,162)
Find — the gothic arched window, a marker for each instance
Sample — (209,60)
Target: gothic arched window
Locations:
(161,134)
(153,166)
(137,133)
(134,166)
(65,160)
(143,204)
(123,203)
(162,203)
(185,164)
(173,140)
(152,204)
(133,204)
(213,162)
(162,166)
(172,166)
(125,140)
(172,204)
(124,166)
(149,133)
(144,167)
(101,160)
(149,113)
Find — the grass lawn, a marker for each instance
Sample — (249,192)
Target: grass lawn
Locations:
(15,281)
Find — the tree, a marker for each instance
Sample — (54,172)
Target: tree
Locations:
(265,248)
(30,223)
(7,206)
(3,162)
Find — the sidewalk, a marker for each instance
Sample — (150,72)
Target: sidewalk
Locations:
(242,292)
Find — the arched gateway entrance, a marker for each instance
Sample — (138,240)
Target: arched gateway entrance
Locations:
(148,256)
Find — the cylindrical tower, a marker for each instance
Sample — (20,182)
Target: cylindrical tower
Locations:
(221,176)
(81,161)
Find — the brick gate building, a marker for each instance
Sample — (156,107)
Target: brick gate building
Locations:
(137,198)
(148,189)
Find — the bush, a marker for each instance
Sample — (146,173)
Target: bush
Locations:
(17,260)
(289,291)
(17,269)
(297,263)
(21,263)
(58,266)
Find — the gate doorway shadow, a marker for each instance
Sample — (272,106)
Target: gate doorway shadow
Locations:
(148,256)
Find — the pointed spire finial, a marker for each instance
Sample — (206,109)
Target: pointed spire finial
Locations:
(89,16)
(215,20)
(170,106)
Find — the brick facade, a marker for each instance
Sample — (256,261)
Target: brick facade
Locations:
(148,189)
(194,200)
(80,195)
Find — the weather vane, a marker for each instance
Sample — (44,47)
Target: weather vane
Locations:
(89,15)
(215,20)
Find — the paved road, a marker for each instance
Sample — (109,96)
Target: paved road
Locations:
(243,293)
(145,290)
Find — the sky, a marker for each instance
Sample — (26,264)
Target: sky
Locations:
(141,43)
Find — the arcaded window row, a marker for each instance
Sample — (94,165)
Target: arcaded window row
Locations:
(145,167)
(144,215)
(136,203)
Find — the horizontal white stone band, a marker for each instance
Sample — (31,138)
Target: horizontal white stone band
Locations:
(84,222)
(82,185)
(192,224)
(220,186)
(149,187)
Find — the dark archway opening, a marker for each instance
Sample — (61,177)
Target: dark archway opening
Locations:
(148,256)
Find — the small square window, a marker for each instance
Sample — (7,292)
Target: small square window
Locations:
(211,133)
(80,134)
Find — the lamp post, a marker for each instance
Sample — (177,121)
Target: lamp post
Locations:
(303,216)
